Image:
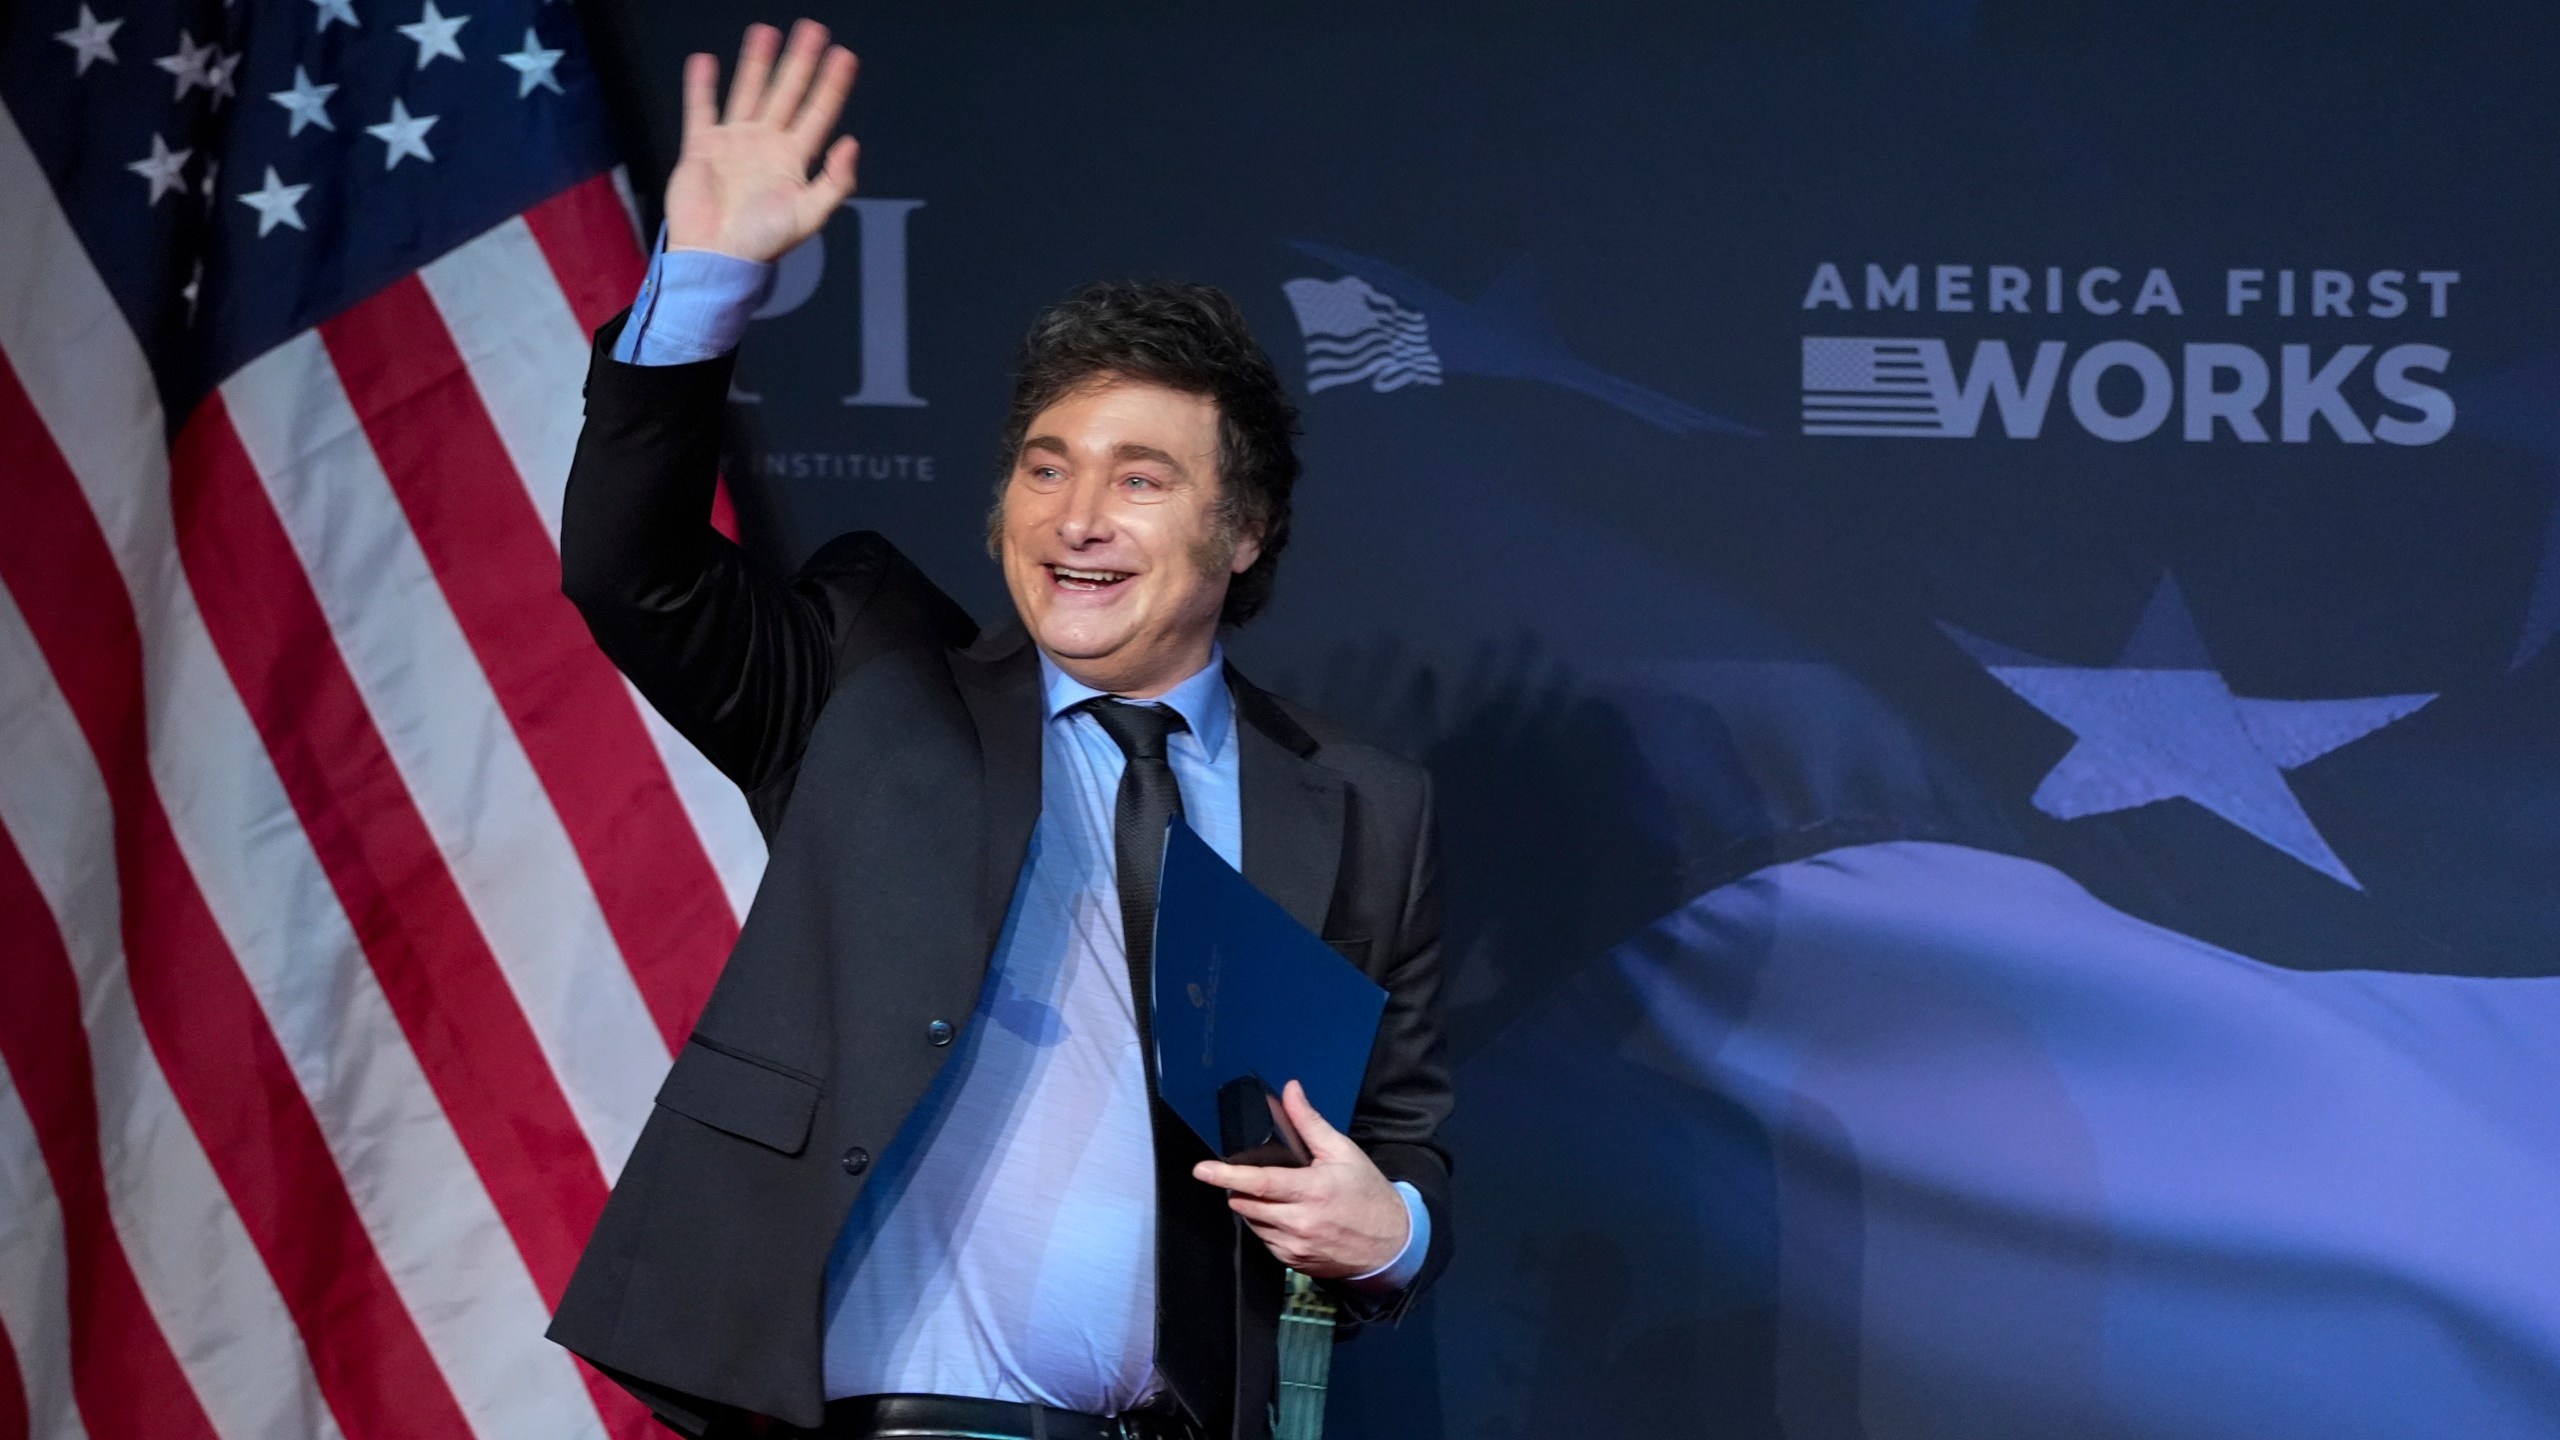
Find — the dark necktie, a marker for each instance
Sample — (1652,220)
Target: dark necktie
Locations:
(1195,1236)
(1149,796)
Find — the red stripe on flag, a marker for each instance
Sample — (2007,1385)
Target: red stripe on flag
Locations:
(495,562)
(444,986)
(443,983)
(125,1376)
(586,235)
(213,1043)
(724,511)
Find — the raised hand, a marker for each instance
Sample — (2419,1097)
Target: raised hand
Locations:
(742,185)
(1333,1218)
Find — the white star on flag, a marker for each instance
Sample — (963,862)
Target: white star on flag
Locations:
(161,167)
(339,10)
(217,75)
(308,102)
(404,133)
(187,64)
(89,40)
(193,291)
(276,203)
(2162,724)
(532,65)
(434,34)
(212,173)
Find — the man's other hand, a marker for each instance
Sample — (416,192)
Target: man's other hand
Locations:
(1334,1218)
(742,184)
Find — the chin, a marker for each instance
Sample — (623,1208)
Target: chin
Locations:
(1071,642)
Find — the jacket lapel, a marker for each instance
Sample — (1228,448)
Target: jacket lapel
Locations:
(1293,807)
(1000,683)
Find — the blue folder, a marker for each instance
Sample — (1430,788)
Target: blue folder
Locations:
(1241,989)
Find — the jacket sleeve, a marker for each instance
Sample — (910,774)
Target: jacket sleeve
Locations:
(1406,1096)
(738,659)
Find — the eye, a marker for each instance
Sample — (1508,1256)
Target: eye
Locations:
(1141,482)
(1044,474)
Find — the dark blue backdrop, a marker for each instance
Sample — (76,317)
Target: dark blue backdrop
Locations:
(2034,918)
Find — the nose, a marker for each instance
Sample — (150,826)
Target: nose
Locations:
(1084,514)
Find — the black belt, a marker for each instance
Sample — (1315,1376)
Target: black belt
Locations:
(956,1417)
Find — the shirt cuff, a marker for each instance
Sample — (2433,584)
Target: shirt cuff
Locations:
(692,305)
(1396,1274)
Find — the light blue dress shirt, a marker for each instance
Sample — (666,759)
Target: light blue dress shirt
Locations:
(1005,1247)
(692,305)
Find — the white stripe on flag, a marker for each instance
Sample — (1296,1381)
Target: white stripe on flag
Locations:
(35,1296)
(514,330)
(64,306)
(420,1202)
(630,205)
(528,361)
(464,767)
(214,1301)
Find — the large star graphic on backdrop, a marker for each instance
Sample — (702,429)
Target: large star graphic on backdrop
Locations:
(2161,724)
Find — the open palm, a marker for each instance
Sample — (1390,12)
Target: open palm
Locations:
(742,185)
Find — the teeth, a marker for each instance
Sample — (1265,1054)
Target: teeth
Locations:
(1098,577)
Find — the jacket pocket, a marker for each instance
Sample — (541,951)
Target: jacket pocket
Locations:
(1354,950)
(742,1096)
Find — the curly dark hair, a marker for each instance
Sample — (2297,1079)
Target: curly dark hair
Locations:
(1190,338)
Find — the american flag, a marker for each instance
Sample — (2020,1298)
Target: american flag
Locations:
(1355,331)
(1856,386)
(350,904)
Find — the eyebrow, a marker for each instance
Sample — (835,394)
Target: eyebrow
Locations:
(1126,450)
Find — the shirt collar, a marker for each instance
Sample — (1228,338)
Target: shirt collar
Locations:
(1202,700)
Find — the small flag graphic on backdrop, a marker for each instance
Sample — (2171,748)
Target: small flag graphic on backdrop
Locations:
(1354,332)
(1858,386)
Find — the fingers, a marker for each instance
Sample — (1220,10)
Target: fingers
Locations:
(833,183)
(826,98)
(1260,1182)
(1290,1241)
(1325,1142)
(701,79)
(1266,1218)
(838,174)
(755,64)
(791,80)
(1278,1226)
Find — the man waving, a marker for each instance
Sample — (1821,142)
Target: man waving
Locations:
(909,1176)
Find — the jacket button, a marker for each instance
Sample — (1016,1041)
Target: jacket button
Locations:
(856,1160)
(939,1032)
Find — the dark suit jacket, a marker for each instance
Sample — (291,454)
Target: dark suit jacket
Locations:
(892,755)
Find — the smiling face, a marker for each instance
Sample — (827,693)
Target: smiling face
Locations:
(1111,537)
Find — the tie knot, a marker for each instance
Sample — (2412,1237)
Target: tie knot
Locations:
(1139,730)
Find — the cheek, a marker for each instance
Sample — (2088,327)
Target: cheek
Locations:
(1019,515)
(1212,554)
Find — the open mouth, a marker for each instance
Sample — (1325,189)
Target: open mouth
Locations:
(1067,577)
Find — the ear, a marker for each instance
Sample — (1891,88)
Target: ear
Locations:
(1248,550)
